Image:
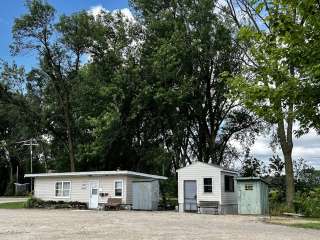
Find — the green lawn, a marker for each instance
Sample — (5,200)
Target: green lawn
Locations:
(312,225)
(12,205)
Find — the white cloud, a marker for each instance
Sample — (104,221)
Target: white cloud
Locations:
(96,10)
(126,13)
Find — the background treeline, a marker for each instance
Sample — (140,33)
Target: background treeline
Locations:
(182,81)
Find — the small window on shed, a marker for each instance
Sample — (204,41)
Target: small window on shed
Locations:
(248,187)
(228,183)
(207,185)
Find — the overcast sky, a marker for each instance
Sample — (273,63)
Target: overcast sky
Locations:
(307,147)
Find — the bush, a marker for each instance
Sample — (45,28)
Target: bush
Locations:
(38,203)
(277,209)
(277,203)
(34,203)
(308,203)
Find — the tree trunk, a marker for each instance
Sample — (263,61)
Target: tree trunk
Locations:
(286,147)
(69,137)
(289,179)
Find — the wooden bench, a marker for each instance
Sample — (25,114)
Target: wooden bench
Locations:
(113,204)
(209,204)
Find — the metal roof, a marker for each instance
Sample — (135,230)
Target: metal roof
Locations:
(97,173)
(251,179)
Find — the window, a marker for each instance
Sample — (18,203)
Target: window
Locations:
(118,185)
(63,189)
(228,183)
(94,191)
(248,187)
(207,185)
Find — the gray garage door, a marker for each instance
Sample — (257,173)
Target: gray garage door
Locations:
(145,195)
(190,196)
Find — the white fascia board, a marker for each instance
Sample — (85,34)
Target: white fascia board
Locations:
(96,173)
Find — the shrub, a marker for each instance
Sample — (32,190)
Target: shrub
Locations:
(277,204)
(278,208)
(38,203)
(33,203)
(308,203)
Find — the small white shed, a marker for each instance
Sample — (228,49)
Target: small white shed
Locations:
(203,184)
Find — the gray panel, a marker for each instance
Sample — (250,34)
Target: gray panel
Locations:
(190,195)
(145,195)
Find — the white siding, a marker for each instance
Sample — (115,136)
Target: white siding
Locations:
(129,189)
(107,185)
(44,187)
(198,171)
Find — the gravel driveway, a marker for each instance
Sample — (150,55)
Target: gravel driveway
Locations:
(79,224)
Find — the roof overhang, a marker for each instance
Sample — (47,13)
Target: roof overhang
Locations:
(240,179)
(96,173)
(223,169)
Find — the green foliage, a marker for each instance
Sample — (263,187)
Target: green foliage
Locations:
(277,209)
(252,167)
(33,202)
(148,95)
(12,205)
(38,203)
(308,203)
(276,166)
(311,225)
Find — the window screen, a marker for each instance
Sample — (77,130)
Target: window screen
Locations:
(94,191)
(207,185)
(58,189)
(118,188)
(62,189)
(228,183)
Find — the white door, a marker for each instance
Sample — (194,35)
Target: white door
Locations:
(94,195)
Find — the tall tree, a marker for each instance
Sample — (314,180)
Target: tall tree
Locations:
(271,84)
(60,48)
(187,49)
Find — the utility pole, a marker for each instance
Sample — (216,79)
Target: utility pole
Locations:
(31,142)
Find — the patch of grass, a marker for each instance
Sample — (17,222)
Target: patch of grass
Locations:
(12,205)
(312,225)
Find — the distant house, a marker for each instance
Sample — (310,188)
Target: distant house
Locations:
(202,185)
(139,190)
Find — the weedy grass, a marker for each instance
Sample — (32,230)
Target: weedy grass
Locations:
(12,205)
(311,225)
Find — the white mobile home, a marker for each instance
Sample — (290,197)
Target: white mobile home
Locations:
(203,186)
(137,190)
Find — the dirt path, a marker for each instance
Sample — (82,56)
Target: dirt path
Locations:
(26,224)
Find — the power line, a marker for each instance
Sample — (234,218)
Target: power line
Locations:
(30,142)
